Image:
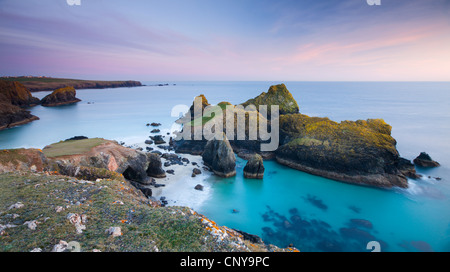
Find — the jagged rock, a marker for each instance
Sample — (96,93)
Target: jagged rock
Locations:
(219,156)
(424,160)
(254,169)
(155,166)
(60,97)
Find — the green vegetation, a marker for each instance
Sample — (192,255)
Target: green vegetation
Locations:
(305,130)
(277,95)
(144,228)
(72,147)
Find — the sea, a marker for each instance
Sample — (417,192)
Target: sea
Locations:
(287,207)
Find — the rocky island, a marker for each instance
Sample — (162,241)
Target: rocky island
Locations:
(360,152)
(59,97)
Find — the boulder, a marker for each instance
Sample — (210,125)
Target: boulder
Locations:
(219,156)
(59,97)
(155,166)
(254,169)
(424,160)
(199,187)
(158,139)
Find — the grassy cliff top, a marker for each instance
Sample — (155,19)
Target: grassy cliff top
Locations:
(72,147)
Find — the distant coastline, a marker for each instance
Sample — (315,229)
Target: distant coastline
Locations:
(38,84)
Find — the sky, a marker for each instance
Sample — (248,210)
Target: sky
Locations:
(255,40)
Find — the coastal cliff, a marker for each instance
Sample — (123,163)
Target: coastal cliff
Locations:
(14,97)
(73,191)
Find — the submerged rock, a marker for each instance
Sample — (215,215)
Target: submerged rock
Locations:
(424,160)
(219,156)
(254,169)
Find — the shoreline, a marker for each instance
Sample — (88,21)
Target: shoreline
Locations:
(178,189)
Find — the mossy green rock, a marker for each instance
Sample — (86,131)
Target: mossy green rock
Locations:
(276,95)
(360,152)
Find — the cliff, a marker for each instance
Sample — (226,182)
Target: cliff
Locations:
(14,96)
(59,97)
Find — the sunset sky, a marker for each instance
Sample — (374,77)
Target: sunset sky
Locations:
(301,40)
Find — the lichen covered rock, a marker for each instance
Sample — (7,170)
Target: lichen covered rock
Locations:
(361,152)
(59,97)
(276,95)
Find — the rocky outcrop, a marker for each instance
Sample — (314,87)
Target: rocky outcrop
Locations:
(254,169)
(59,97)
(155,166)
(16,94)
(219,156)
(13,97)
(424,160)
(276,95)
(361,152)
(11,116)
(103,154)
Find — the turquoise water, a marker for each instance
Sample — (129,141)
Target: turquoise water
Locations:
(289,206)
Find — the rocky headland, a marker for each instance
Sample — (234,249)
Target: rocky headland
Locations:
(14,98)
(359,152)
(37,84)
(92,191)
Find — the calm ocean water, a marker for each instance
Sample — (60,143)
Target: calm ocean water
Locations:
(288,206)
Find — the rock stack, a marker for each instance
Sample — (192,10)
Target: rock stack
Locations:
(254,169)
(219,156)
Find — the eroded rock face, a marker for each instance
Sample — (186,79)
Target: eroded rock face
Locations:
(14,160)
(109,155)
(219,156)
(254,169)
(424,160)
(14,96)
(59,97)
